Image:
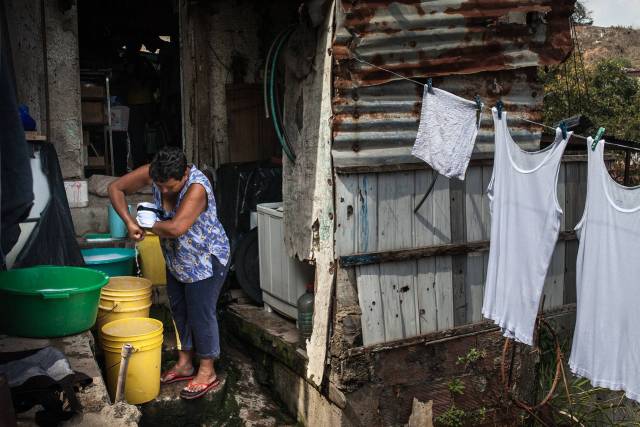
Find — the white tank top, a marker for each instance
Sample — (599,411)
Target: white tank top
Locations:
(606,341)
(525,222)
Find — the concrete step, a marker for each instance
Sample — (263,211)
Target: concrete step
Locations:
(169,410)
(240,400)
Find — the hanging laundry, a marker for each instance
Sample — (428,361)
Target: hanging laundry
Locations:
(447,132)
(606,338)
(525,222)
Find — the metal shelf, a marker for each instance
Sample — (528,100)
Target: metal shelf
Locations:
(101,77)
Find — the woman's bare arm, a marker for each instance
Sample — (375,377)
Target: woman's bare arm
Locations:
(125,185)
(191,206)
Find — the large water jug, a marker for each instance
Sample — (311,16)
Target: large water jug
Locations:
(305,314)
(117,227)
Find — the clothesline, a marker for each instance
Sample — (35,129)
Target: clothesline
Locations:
(487,107)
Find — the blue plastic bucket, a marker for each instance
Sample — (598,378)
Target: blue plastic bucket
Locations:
(117,227)
(111,261)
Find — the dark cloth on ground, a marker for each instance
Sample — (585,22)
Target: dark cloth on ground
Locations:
(43,377)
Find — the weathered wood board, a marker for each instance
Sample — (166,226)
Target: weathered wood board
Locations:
(375,212)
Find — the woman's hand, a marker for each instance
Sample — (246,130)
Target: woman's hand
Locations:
(129,184)
(135,232)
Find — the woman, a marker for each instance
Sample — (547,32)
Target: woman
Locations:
(196,250)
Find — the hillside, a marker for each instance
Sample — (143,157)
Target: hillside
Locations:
(609,42)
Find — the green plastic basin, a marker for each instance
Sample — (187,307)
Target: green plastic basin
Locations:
(49,301)
(111,261)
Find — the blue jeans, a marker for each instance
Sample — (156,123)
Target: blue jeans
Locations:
(193,308)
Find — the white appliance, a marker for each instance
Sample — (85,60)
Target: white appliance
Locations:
(282,279)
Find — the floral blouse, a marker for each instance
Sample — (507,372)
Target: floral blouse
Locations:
(188,257)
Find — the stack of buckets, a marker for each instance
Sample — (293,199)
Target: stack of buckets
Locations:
(123,317)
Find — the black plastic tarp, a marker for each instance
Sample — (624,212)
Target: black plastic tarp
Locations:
(53,240)
(16,182)
(240,188)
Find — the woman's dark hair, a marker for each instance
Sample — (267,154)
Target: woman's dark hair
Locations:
(169,162)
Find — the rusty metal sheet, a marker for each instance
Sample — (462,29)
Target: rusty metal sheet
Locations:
(377,125)
(444,37)
(489,48)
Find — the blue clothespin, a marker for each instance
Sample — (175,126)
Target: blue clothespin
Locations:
(430,85)
(563,128)
(597,139)
(499,107)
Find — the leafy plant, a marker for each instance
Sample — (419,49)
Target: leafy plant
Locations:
(604,93)
(453,417)
(579,403)
(480,415)
(456,387)
(582,15)
(472,356)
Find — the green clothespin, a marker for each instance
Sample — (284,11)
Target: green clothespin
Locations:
(597,139)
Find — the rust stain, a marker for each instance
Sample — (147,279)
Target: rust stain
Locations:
(524,31)
(487,47)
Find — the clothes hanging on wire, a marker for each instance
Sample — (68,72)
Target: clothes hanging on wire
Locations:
(525,222)
(447,132)
(606,338)
(631,145)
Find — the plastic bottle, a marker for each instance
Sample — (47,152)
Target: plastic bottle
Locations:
(305,314)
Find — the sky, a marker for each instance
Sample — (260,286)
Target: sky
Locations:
(607,13)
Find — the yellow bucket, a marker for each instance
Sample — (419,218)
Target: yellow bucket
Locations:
(152,262)
(124,297)
(127,286)
(143,374)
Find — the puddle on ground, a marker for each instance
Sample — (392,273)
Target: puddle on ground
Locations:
(240,401)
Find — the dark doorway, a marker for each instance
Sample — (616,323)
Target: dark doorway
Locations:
(130,81)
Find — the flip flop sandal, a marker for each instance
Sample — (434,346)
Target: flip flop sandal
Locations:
(190,395)
(172,376)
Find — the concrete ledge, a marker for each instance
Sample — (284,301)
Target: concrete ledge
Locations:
(95,401)
(301,398)
(268,332)
(169,410)
(282,363)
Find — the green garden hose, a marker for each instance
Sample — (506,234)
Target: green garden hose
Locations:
(283,143)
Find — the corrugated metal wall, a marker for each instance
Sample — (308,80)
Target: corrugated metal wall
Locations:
(445,37)
(377,125)
(490,48)
(376,113)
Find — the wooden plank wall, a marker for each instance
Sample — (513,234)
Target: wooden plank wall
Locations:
(375,212)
